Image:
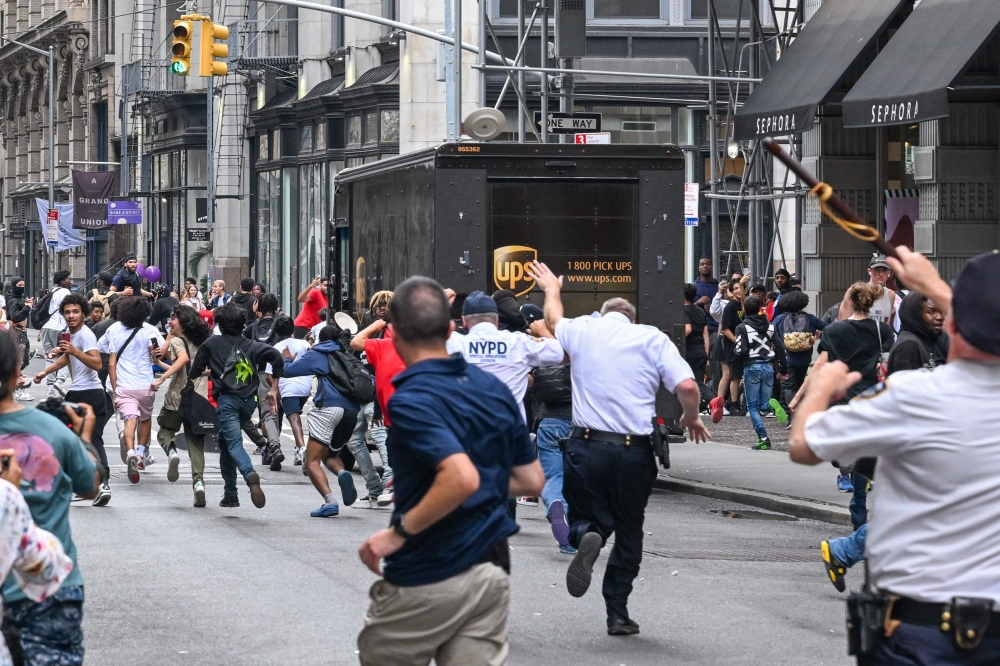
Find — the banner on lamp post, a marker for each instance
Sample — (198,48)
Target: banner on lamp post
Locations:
(91,192)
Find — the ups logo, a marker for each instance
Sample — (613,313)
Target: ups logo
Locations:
(510,268)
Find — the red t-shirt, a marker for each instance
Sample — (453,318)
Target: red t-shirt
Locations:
(309,314)
(382,356)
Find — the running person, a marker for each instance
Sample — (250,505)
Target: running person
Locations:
(82,356)
(331,423)
(133,345)
(294,391)
(53,328)
(187,333)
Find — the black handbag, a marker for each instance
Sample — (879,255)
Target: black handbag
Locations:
(196,412)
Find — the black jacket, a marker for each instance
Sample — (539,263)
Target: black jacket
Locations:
(245,301)
(214,353)
(756,340)
(17,310)
(161,311)
(129,279)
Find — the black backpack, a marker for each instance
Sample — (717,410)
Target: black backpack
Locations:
(262,330)
(350,377)
(40,314)
(553,385)
(239,376)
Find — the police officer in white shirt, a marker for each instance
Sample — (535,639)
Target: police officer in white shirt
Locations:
(933,543)
(617,368)
(507,355)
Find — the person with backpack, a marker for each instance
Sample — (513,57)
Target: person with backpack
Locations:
(262,330)
(799,331)
(46,317)
(187,333)
(758,346)
(334,415)
(235,364)
(102,291)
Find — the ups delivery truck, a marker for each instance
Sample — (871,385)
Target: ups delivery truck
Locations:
(609,218)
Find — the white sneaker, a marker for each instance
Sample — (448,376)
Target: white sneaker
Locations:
(386,498)
(770,415)
(53,392)
(21,394)
(725,412)
(103,495)
(299,455)
(148,460)
(527,501)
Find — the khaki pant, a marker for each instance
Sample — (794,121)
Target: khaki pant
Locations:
(169,422)
(461,621)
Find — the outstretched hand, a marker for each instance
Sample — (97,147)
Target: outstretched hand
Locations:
(544,277)
(697,432)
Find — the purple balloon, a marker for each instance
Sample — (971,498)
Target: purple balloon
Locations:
(140,270)
(153,274)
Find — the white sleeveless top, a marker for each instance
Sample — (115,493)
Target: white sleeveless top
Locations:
(882,308)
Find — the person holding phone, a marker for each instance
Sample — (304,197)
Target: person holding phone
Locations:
(79,352)
(313,299)
(47,630)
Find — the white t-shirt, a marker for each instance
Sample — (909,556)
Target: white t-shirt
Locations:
(56,320)
(83,378)
(135,366)
(507,355)
(617,367)
(933,529)
(293,387)
(315,331)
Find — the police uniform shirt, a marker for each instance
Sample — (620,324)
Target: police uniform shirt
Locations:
(934,531)
(617,367)
(507,355)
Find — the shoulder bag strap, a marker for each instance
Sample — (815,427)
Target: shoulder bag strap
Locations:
(130,338)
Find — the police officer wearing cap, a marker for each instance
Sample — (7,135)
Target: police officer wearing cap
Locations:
(507,355)
(933,543)
(617,367)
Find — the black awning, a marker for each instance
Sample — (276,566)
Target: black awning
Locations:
(829,45)
(909,80)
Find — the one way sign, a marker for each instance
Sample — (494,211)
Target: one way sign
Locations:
(570,123)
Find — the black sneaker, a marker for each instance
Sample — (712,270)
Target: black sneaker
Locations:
(582,567)
(256,494)
(229,502)
(621,626)
(277,457)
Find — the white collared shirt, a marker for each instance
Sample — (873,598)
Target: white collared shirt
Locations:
(507,355)
(617,368)
(934,527)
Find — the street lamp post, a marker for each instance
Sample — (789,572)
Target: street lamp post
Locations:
(50,53)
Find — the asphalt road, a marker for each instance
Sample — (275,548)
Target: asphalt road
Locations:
(170,584)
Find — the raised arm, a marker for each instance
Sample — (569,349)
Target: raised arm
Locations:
(552,286)
(304,294)
(358,341)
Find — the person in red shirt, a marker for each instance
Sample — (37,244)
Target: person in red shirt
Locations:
(313,299)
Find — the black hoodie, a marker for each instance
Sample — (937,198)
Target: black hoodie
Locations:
(917,345)
(245,300)
(756,340)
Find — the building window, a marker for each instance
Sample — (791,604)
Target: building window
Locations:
(727,10)
(612,9)
(338,27)
(354,131)
(263,148)
(336,133)
(103,30)
(390,126)
(305,138)
(371,127)
(289,141)
(319,141)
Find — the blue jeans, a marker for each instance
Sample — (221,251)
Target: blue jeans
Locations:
(550,431)
(49,633)
(233,412)
(758,381)
(859,500)
(850,550)
(359,449)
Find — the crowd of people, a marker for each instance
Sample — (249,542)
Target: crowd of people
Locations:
(474,404)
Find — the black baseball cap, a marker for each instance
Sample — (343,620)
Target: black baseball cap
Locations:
(532,313)
(878,261)
(977,310)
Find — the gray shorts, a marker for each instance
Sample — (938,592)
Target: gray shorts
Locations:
(331,426)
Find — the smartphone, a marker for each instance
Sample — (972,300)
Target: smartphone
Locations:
(746,271)
(64,337)
(4,463)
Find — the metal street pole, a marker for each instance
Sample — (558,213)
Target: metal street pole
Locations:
(713,147)
(210,161)
(456,23)
(520,75)
(52,155)
(482,53)
(544,77)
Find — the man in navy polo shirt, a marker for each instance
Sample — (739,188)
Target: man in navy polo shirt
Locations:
(459,448)
(707,287)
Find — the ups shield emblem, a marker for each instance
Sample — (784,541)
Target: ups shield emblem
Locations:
(510,268)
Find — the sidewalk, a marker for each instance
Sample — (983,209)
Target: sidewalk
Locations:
(765,479)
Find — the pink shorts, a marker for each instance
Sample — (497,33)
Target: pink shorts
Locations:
(135,403)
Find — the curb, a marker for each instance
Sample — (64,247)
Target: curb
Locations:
(794,506)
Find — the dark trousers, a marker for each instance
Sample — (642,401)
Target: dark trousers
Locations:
(697,364)
(47,632)
(99,402)
(300,333)
(859,500)
(607,487)
(916,645)
(791,386)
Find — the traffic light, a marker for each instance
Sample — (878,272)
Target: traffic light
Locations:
(210,50)
(181,51)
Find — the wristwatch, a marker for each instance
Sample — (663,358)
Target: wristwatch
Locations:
(398,524)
